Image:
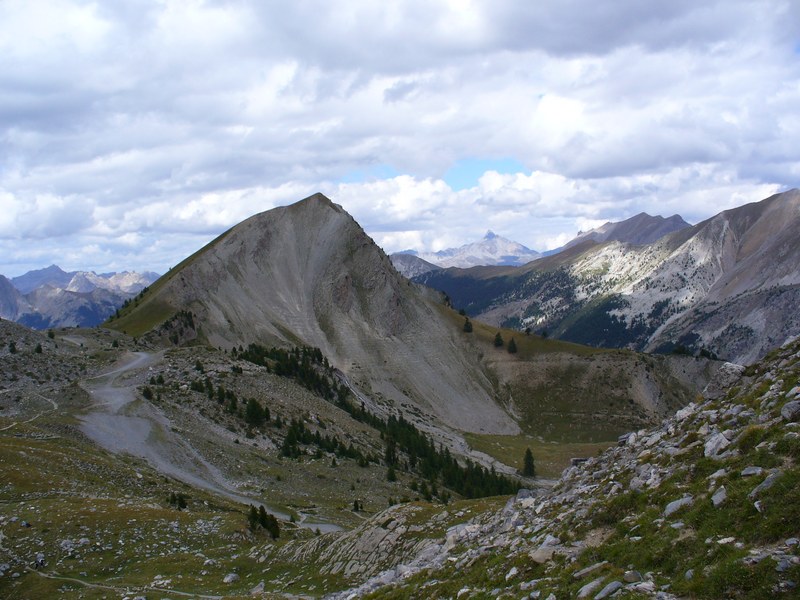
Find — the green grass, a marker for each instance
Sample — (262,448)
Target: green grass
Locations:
(152,310)
(550,458)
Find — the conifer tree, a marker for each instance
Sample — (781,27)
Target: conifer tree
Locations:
(498,340)
(529,468)
(512,346)
(252,518)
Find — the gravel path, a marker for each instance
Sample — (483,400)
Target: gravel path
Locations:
(121,422)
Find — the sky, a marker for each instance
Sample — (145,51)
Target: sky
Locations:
(134,132)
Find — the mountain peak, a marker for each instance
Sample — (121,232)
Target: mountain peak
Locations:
(492,249)
(638,229)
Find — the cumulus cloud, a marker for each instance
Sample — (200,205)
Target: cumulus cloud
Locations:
(164,123)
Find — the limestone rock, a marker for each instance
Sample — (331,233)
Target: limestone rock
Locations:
(750,471)
(632,576)
(590,587)
(608,590)
(766,484)
(676,505)
(715,444)
(791,411)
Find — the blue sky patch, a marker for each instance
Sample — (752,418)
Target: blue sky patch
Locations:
(466,172)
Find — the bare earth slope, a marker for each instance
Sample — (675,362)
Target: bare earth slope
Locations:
(307,274)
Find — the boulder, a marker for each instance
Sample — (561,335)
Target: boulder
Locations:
(231,578)
(590,587)
(719,497)
(676,505)
(632,576)
(727,376)
(765,485)
(584,572)
(791,411)
(259,589)
(750,471)
(608,590)
(543,554)
(714,445)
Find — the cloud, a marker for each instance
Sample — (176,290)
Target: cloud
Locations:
(166,123)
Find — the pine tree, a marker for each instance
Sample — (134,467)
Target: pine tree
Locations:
(254,413)
(467,325)
(529,468)
(512,346)
(498,340)
(252,518)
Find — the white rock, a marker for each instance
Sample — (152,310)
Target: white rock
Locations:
(590,587)
(609,590)
(750,471)
(719,497)
(676,505)
(715,444)
(231,578)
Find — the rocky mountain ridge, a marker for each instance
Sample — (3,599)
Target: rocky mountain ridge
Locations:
(726,286)
(52,297)
(128,282)
(491,250)
(307,274)
(637,230)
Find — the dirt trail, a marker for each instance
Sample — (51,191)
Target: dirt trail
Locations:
(119,421)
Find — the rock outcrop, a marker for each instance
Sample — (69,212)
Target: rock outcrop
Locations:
(653,516)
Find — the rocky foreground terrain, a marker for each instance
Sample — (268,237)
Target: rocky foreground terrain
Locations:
(704,506)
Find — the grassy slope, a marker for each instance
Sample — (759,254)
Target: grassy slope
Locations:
(151,310)
(562,392)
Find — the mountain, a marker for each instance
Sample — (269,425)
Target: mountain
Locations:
(638,230)
(410,265)
(491,250)
(12,303)
(83,281)
(53,276)
(47,307)
(126,282)
(307,274)
(54,307)
(51,297)
(726,286)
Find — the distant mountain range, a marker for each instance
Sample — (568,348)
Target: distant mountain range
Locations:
(728,286)
(495,250)
(52,297)
(491,250)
